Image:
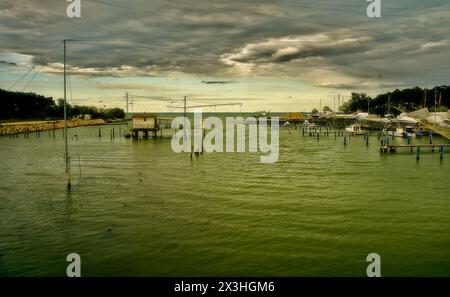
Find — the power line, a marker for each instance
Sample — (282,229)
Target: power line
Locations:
(32,78)
(31,69)
(347,5)
(242,12)
(152,98)
(353,27)
(22,77)
(338,9)
(205,105)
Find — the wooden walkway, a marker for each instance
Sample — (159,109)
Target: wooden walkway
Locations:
(392,148)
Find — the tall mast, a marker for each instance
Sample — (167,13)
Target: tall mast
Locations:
(425,99)
(389,104)
(66,148)
(185,122)
(435,99)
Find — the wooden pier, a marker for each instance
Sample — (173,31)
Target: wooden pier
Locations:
(392,148)
(325,131)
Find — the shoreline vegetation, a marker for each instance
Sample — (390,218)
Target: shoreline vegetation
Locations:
(29,112)
(20,127)
(31,106)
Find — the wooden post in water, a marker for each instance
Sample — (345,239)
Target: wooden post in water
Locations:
(66,154)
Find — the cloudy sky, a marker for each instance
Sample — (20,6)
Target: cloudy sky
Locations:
(278,55)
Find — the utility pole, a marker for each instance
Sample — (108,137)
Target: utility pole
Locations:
(184,125)
(132,104)
(339,100)
(389,105)
(425,99)
(66,148)
(126,96)
(320,105)
(185,107)
(435,98)
(334,103)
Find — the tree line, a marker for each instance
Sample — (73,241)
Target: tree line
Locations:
(19,105)
(400,100)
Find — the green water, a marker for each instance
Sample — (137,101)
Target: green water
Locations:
(138,209)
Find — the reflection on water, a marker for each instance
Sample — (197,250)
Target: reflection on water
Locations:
(137,208)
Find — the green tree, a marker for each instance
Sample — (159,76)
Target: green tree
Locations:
(327,109)
(19,105)
(345,108)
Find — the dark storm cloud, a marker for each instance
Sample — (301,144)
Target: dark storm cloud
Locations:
(133,86)
(217,82)
(231,38)
(358,85)
(300,47)
(8,63)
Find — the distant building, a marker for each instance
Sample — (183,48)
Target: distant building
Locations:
(87,117)
(144,121)
(293,118)
(147,122)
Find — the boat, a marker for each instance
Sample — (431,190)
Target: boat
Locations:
(408,131)
(355,128)
(395,132)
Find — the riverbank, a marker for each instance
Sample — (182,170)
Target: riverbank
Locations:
(37,126)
